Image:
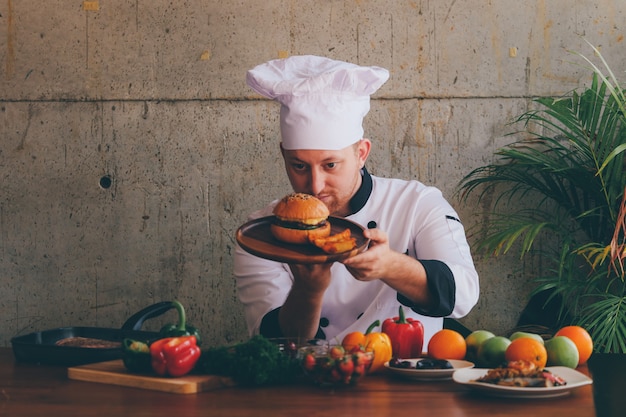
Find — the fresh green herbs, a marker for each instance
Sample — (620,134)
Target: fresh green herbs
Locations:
(256,362)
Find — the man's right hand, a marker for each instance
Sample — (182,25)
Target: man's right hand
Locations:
(301,312)
(311,277)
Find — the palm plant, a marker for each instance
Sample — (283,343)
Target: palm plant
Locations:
(561,196)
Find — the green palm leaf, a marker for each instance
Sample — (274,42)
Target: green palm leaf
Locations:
(606,318)
(560,188)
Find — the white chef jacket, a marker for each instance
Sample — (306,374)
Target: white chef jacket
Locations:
(418,222)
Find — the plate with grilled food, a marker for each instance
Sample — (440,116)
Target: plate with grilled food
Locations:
(344,240)
(552,381)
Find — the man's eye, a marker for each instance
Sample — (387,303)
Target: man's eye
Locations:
(298,167)
(331,165)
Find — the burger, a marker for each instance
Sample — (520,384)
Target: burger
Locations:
(300,218)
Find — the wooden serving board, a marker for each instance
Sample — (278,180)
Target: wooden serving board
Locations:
(114,372)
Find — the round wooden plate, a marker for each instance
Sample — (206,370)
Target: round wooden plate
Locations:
(256,238)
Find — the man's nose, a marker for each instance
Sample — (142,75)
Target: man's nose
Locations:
(318,181)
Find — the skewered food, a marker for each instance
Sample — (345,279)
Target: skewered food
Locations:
(522,374)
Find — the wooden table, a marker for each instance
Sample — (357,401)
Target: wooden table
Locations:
(34,390)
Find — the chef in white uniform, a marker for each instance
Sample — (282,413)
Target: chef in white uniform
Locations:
(418,258)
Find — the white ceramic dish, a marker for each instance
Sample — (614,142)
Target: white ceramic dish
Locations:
(574,379)
(428,374)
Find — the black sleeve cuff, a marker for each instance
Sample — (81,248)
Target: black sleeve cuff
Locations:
(440,284)
(270,327)
(442,290)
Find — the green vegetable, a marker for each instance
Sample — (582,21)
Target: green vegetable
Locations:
(136,355)
(255,362)
(181,328)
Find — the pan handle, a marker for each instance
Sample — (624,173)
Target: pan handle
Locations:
(135,321)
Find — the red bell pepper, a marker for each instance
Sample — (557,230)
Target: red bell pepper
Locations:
(406,334)
(174,356)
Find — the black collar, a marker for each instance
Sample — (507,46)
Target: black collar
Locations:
(357,202)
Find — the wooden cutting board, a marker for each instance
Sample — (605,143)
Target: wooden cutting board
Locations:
(114,372)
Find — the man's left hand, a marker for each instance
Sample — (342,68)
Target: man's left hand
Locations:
(375,262)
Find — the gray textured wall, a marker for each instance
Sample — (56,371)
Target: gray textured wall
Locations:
(152,94)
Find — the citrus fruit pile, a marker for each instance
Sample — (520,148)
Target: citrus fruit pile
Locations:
(570,346)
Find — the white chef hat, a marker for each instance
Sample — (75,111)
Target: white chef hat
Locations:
(323,101)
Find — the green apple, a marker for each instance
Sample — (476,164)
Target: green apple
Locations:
(491,352)
(562,352)
(517,335)
(473,342)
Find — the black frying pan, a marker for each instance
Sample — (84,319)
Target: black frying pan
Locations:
(40,347)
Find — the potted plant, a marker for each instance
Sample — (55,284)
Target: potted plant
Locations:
(558,193)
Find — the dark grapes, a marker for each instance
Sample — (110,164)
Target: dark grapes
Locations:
(397,363)
(433,364)
(426,363)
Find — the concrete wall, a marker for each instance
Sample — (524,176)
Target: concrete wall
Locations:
(150,96)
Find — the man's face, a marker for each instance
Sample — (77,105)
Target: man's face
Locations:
(332,176)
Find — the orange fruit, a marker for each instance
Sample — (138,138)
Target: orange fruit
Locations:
(527,349)
(582,340)
(447,344)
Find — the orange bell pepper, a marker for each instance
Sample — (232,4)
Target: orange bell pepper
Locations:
(379,343)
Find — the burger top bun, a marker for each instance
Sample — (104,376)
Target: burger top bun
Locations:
(302,208)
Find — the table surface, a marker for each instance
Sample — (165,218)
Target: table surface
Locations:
(36,390)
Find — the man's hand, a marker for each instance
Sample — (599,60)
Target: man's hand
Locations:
(376,261)
(401,272)
(300,314)
(313,278)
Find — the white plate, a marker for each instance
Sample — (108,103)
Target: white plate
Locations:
(573,378)
(428,374)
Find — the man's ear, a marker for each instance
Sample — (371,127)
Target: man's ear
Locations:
(363,150)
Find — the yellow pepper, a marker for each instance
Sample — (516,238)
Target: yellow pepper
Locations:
(379,343)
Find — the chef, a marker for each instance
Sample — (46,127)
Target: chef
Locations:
(418,257)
